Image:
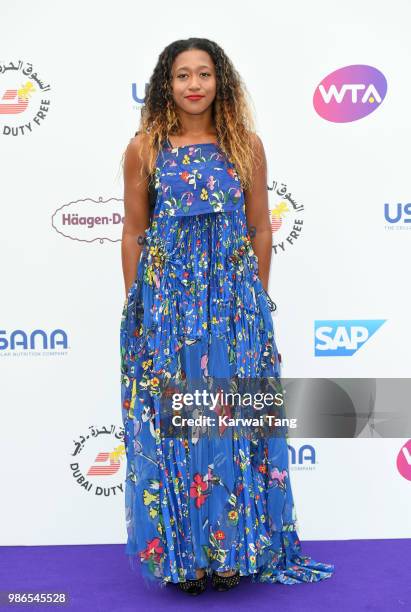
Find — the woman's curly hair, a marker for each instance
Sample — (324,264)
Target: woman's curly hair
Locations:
(231,112)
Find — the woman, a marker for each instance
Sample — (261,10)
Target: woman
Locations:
(202,499)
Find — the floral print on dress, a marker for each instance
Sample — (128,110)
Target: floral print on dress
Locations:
(198,311)
(201,181)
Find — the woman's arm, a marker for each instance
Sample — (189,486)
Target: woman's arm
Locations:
(258,213)
(136,209)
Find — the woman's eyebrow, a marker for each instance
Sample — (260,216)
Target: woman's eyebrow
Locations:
(187,67)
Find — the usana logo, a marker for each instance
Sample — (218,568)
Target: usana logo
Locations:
(134,94)
(305,458)
(36,343)
(397,216)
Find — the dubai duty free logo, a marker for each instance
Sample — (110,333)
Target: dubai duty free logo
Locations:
(350,93)
(97,458)
(24,101)
(286,217)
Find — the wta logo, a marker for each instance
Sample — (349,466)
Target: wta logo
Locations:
(350,93)
(404,461)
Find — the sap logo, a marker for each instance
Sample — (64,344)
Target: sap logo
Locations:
(135,95)
(306,454)
(350,93)
(37,339)
(403,210)
(343,338)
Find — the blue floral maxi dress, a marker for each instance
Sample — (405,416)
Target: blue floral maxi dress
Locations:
(198,310)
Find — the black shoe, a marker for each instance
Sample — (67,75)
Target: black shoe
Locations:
(194,587)
(224,583)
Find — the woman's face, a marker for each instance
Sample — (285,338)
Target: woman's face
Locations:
(193,74)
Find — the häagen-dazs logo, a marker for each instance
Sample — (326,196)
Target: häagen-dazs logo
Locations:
(350,93)
(286,217)
(90,220)
(23,103)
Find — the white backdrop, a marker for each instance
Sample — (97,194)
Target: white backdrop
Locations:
(86,59)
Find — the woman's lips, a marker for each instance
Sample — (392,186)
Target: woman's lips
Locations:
(194,97)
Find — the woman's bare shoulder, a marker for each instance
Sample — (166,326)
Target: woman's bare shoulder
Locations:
(140,141)
(137,150)
(255,140)
(258,151)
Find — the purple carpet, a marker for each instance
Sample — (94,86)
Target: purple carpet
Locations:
(369,575)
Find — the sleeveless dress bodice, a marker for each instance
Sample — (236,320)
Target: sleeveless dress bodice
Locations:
(197,179)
